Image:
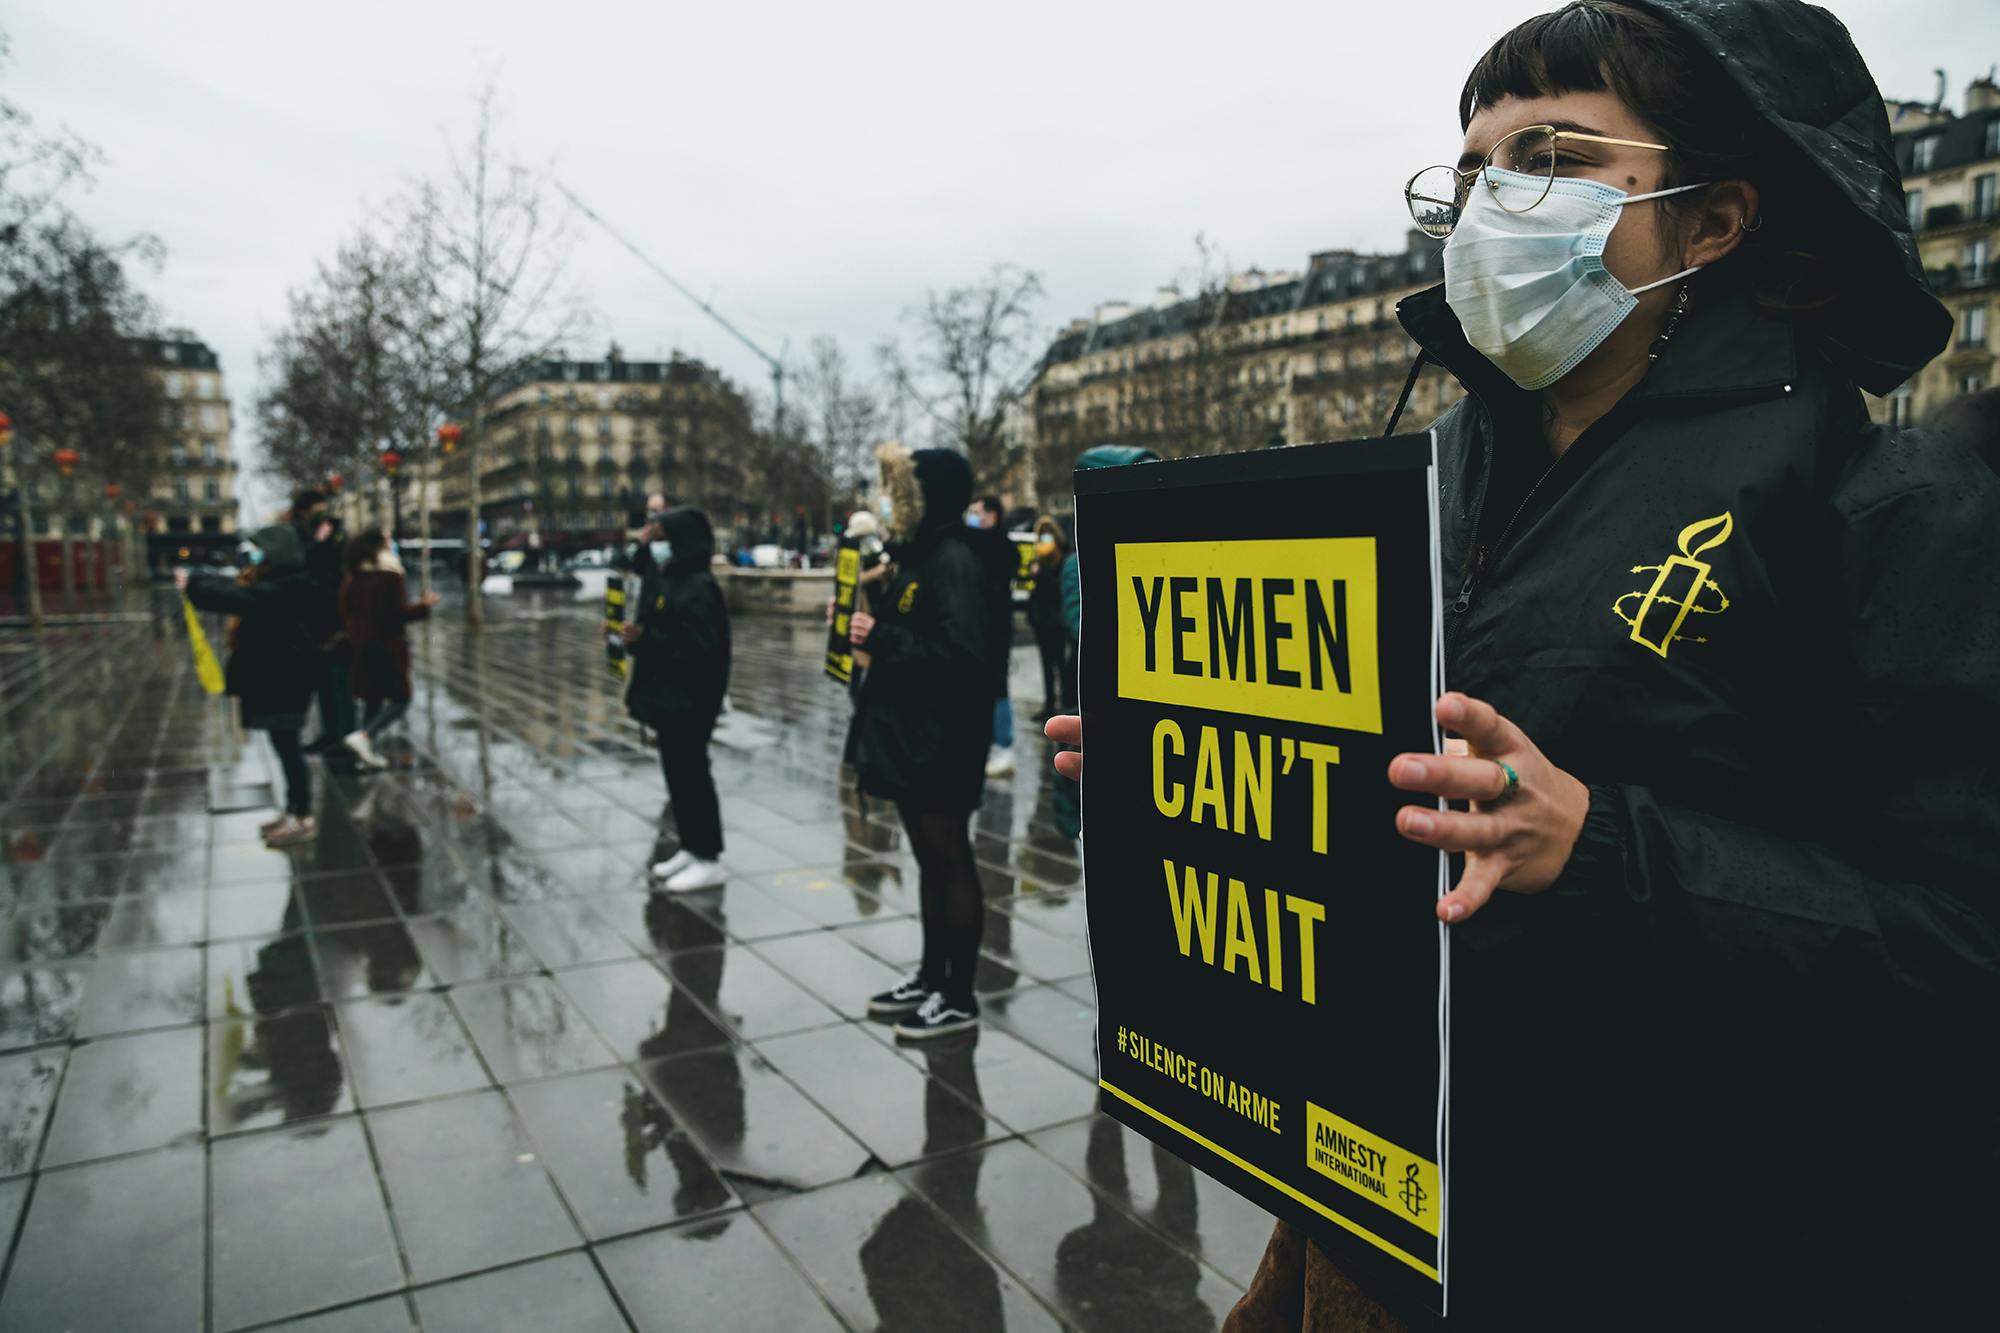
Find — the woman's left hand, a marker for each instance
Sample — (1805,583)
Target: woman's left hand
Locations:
(1517,840)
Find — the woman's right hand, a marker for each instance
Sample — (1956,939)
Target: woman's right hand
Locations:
(181,579)
(1067,729)
(858,626)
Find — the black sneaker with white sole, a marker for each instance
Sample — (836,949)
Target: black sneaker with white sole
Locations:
(938,1016)
(905,997)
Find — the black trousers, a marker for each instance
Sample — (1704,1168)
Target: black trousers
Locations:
(690,786)
(298,776)
(1058,687)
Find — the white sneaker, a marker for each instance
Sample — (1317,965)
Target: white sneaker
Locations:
(291,830)
(673,865)
(697,874)
(364,750)
(999,761)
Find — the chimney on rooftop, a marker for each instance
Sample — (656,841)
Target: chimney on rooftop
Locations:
(1981,94)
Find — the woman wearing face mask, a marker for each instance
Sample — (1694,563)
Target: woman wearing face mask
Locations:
(373,612)
(1725,662)
(680,638)
(1045,617)
(273,661)
(926,712)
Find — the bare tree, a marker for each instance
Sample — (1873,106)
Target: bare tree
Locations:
(843,420)
(975,353)
(496,289)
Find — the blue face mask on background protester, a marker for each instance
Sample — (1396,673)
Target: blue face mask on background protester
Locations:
(662,552)
(253,555)
(1530,288)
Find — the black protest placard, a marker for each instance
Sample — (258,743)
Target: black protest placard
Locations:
(616,658)
(846,579)
(1260,637)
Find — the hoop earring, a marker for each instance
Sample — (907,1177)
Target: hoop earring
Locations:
(1742,226)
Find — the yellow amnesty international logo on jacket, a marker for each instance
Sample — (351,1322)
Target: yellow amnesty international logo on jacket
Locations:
(1683,586)
(1273,629)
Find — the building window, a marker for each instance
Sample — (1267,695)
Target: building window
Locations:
(180,490)
(211,418)
(1913,201)
(211,523)
(211,490)
(1923,154)
(209,454)
(1983,193)
(1972,326)
(1992,148)
(1977,255)
(1900,404)
(1971,383)
(172,384)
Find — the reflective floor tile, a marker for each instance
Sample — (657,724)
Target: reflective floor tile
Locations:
(27,1092)
(657,922)
(471,942)
(897,941)
(829,895)
(615,1151)
(1051,1020)
(149,920)
(527,1028)
(388,1315)
(260,976)
(564,1293)
(888,1261)
(466,1187)
(747,912)
(124,1094)
(1011,1081)
(298,1223)
(348,899)
(876,1096)
(566,931)
(406,1047)
(749,995)
(357,961)
(252,911)
(717,1274)
(275,1069)
(757,1128)
(13,1202)
(1074,1248)
(149,989)
(143,1213)
(830,968)
(1198,1214)
(639,1012)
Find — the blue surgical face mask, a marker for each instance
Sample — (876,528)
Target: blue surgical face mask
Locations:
(663,552)
(1530,288)
(972,520)
(885,506)
(255,555)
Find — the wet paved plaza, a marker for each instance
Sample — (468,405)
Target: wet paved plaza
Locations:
(453,1066)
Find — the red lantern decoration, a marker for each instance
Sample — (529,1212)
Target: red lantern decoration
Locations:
(334,481)
(6,429)
(391,460)
(448,435)
(66,460)
(112,490)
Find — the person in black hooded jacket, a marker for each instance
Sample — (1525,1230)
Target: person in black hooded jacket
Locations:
(1724,658)
(924,721)
(274,659)
(680,642)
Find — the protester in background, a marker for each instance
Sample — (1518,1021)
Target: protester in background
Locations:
(274,659)
(1045,617)
(374,610)
(1746,867)
(998,556)
(1971,421)
(925,722)
(680,638)
(320,534)
(640,561)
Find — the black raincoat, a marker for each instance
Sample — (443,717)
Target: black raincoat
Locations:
(926,712)
(1729,1072)
(274,664)
(681,668)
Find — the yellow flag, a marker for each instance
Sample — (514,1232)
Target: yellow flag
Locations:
(206,669)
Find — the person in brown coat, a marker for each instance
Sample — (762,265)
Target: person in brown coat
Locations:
(373,612)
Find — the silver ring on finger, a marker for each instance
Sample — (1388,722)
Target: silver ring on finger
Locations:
(1513,781)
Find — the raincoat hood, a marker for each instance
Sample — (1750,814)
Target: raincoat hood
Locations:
(283,551)
(946,480)
(692,537)
(1825,129)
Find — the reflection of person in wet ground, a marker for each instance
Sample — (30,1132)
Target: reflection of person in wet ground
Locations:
(286,1035)
(1097,1265)
(915,1283)
(686,1026)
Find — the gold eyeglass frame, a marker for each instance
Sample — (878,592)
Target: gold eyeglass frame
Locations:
(1411,198)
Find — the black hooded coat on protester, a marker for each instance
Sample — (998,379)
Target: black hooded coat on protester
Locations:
(275,663)
(926,712)
(681,667)
(1697,1083)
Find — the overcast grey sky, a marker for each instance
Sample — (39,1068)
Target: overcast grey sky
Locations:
(811,168)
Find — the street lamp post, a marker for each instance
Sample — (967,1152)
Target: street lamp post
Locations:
(66,460)
(448,436)
(25,515)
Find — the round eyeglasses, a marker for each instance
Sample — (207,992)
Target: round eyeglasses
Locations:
(1437,195)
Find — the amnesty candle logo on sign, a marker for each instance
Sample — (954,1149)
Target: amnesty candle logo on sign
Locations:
(1280,629)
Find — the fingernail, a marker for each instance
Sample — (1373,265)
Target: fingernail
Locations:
(1419,823)
(1452,911)
(1451,710)
(1414,770)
